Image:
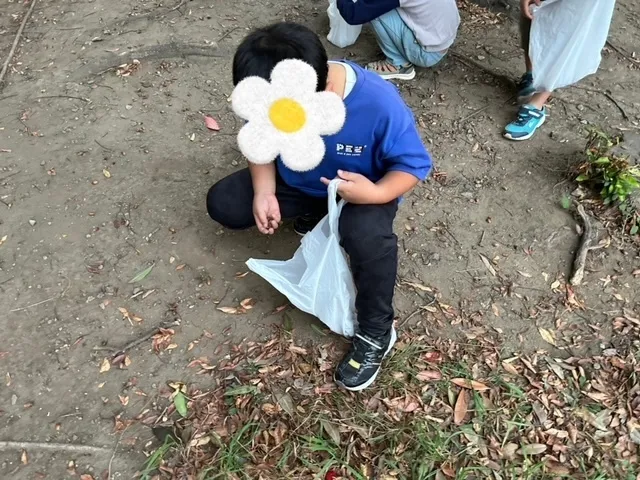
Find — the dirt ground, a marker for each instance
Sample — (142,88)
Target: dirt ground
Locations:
(104,175)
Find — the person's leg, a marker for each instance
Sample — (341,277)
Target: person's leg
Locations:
(532,114)
(366,233)
(230,201)
(389,29)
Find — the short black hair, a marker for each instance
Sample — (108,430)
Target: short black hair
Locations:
(263,48)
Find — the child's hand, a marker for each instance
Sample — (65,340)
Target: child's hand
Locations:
(356,188)
(266,212)
(525,7)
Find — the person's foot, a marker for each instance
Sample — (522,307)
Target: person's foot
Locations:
(305,223)
(529,120)
(361,365)
(388,71)
(525,88)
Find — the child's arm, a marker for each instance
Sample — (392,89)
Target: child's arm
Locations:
(359,189)
(266,210)
(363,11)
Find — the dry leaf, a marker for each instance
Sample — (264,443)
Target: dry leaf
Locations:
(487,264)
(532,449)
(555,285)
(428,376)
(229,310)
(181,267)
(460,410)
(509,368)
(211,123)
(105,366)
(24,458)
(247,303)
(86,476)
(3,239)
(524,274)
(636,272)
(418,286)
(124,400)
(470,384)
(548,336)
(106,173)
(495,310)
(299,350)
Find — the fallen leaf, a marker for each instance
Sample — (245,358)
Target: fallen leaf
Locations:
(487,264)
(124,400)
(509,368)
(460,410)
(181,267)
(142,275)
(3,239)
(532,449)
(285,401)
(247,303)
(548,336)
(180,401)
(106,173)
(636,272)
(495,309)
(470,384)
(211,123)
(418,286)
(23,458)
(555,285)
(524,274)
(105,366)
(332,430)
(229,310)
(86,476)
(298,350)
(428,376)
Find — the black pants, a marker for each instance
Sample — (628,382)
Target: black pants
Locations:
(366,233)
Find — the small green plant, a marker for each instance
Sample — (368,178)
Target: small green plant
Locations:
(615,178)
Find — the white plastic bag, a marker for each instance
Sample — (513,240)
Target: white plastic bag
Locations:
(317,280)
(567,37)
(341,34)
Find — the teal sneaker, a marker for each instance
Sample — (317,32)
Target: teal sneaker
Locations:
(528,121)
(525,88)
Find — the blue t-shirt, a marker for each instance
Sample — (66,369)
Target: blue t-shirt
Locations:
(379,136)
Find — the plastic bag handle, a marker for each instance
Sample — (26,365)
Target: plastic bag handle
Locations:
(334,207)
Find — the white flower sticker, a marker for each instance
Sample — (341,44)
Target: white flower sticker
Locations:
(286,116)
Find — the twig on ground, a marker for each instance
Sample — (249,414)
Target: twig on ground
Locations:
(182,2)
(106,148)
(115,449)
(473,64)
(64,96)
(623,54)
(16,41)
(606,94)
(69,447)
(43,301)
(589,235)
(137,341)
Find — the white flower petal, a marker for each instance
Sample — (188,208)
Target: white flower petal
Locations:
(293,77)
(326,112)
(302,151)
(259,142)
(251,98)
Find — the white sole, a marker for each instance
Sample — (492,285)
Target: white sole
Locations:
(399,76)
(526,137)
(392,341)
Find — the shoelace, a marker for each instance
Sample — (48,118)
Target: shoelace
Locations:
(524,115)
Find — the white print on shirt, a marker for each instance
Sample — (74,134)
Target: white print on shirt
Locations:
(349,150)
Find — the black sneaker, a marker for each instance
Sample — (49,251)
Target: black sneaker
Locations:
(361,365)
(305,223)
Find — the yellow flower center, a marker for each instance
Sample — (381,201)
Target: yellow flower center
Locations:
(287,115)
